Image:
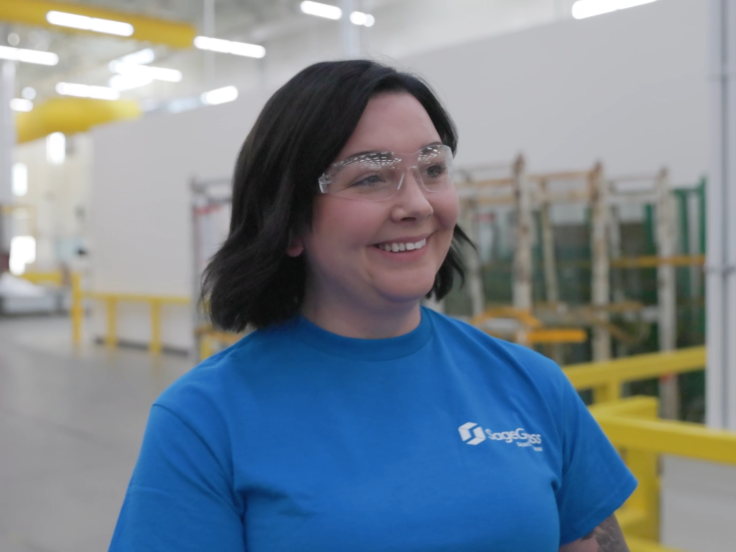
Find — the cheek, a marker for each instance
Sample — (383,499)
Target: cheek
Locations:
(446,210)
(338,224)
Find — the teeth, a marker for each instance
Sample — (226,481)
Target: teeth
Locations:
(396,247)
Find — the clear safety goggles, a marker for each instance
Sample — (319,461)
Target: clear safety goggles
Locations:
(377,176)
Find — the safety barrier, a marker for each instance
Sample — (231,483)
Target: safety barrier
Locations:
(633,427)
(605,377)
(111,301)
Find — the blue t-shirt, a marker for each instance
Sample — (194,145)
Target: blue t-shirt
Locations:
(441,439)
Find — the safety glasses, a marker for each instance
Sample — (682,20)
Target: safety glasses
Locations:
(377,176)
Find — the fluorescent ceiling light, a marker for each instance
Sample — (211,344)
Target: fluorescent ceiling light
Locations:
(128,82)
(141,57)
(28,56)
(321,10)
(220,95)
(360,18)
(87,91)
(229,47)
(589,8)
(29,93)
(21,104)
(156,73)
(85,23)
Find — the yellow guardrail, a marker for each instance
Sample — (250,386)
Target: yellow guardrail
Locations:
(633,427)
(111,301)
(55,278)
(606,377)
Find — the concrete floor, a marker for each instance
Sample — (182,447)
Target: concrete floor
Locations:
(71,422)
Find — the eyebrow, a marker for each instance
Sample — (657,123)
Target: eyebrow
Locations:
(375,152)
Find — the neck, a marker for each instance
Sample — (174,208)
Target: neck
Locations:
(363,323)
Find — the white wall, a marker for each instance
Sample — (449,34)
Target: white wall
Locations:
(628,88)
(59,196)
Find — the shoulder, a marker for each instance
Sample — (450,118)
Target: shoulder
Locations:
(457,333)
(217,381)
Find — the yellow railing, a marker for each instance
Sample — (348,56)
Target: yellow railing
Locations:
(111,301)
(55,278)
(605,377)
(633,427)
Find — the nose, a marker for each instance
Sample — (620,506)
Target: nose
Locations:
(410,202)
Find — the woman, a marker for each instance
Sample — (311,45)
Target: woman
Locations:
(354,419)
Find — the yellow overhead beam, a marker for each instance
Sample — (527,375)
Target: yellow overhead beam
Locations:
(71,115)
(33,12)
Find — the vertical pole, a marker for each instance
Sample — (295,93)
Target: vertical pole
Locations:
(548,249)
(155,345)
(350,33)
(111,339)
(667,315)
(7,143)
(599,246)
(77,308)
(208,28)
(472,261)
(522,291)
(721,224)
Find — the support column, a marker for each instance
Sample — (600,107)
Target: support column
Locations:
(350,33)
(601,264)
(666,292)
(522,290)
(7,142)
(721,222)
(548,248)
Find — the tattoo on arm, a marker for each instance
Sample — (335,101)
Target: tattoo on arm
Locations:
(609,537)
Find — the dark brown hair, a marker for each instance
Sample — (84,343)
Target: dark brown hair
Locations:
(251,281)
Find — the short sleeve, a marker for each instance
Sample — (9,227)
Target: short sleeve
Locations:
(179,497)
(595,481)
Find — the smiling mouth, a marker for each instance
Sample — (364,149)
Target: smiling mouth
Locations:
(398,247)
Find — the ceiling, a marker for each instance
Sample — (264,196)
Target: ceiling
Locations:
(84,57)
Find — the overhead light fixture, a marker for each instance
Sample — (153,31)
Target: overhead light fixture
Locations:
(321,10)
(229,47)
(28,56)
(128,82)
(220,95)
(29,93)
(141,57)
(94,24)
(155,73)
(360,18)
(21,104)
(583,9)
(87,91)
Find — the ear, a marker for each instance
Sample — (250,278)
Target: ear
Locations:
(296,246)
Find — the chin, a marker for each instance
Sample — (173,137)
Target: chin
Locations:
(410,292)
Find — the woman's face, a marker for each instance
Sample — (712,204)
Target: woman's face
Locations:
(346,268)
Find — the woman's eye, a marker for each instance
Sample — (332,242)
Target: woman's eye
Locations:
(435,171)
(370,180)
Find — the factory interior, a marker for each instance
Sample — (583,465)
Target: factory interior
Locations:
(596,178)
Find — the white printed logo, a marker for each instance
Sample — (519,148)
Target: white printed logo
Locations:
(465,433)
(519,435)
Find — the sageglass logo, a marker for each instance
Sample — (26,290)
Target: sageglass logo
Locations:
(472,434)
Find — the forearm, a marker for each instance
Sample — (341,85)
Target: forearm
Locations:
(607,537)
